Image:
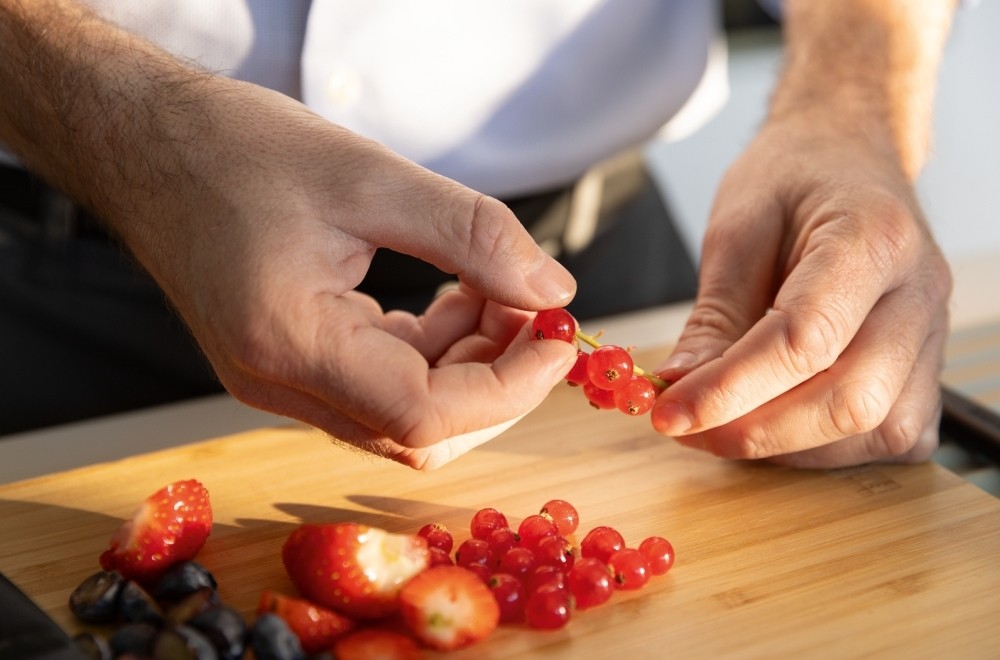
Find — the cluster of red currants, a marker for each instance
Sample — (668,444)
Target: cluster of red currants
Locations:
(607,374)
(537,574)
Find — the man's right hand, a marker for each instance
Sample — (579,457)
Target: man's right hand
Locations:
(259,218)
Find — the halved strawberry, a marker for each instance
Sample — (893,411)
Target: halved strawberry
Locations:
(354,569)
(316,627)
(170,526)
(449,607)
(376,644)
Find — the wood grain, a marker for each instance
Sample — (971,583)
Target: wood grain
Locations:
(880,561)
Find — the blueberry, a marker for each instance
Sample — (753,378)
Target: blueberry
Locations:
(136,605)
(96,599)
(272,639)
(183,610)
(133,638)
(182,643)
(225,628)
(181,580)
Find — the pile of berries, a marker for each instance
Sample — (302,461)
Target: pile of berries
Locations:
(609,377)
(363,592)
(536,571)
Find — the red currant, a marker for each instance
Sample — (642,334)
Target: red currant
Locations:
(485,521)
(510,595)
(578,374)
(598,398)
(482,571)
(554,324)
(555,551)
(610,367)
(659,554)
(439,557)
(637,397)
(629,568)
(563,514)
(501,540)
(601,543)
(517,562)
(474,551)
(437,536)
(534,528)
(548,608)
(544,575)
(591,583)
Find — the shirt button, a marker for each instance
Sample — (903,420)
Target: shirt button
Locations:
(343,87)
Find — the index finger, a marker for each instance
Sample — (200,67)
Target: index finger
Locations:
(815,315)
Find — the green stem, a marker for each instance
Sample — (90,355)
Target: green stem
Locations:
(591,340)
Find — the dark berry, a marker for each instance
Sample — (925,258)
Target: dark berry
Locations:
(185,609)
(133,638)
(181,580)
(272,639)
(96,599)
(136,605)
(225,628)
(182,643)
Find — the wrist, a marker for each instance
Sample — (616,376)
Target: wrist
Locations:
(864,70)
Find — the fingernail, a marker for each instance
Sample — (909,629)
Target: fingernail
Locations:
(551,282)
(682,361)
(671,418)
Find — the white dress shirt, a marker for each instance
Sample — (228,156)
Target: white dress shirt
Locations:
(506,96)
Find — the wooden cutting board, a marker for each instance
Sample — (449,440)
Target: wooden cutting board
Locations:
(881,561)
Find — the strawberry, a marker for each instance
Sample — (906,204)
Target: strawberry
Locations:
(353,569)
(170,526)
(376,644)
(316,627)
(449,607)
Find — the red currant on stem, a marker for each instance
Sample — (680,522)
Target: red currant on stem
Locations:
(578,374)
(610,367)
(598,398)
(636,397)
(554,324)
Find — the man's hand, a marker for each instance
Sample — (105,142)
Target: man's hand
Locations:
(259,218)
(818,333)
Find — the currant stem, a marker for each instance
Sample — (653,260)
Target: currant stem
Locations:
(591,340)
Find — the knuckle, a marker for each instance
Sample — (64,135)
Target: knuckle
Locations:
(484,237)
(813,337)
(713,316)
(857,407)
(755,443)
(908,435)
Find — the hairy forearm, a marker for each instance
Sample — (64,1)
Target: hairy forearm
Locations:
(865,68)
(83,100)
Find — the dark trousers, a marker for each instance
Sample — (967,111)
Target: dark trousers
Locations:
(84,333)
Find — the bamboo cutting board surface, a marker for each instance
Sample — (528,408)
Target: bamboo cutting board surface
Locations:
(881,561)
